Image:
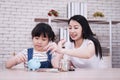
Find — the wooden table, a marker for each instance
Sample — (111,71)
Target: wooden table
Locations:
(78,74)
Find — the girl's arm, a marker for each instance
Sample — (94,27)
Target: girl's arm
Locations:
(15,60)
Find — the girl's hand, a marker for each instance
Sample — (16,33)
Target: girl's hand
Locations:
(20,58)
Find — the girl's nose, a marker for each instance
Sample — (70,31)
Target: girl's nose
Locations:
(39,41)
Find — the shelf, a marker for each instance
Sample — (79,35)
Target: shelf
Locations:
(52,20)
(66,20)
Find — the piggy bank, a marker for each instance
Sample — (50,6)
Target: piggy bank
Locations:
(34,64)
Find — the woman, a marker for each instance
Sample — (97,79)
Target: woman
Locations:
(86,50)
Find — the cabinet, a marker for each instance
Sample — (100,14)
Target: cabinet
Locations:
(93,21)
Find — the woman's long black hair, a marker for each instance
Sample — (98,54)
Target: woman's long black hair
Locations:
(87,33)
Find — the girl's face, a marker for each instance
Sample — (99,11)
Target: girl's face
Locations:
(40,42)
(75,30)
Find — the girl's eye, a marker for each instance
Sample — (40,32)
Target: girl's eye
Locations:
(44,39)
(37,38)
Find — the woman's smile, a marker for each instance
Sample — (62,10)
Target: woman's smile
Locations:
(73,35)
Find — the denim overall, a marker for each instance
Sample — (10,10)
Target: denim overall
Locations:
(44,64)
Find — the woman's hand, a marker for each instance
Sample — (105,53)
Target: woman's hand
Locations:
(53,47)
(61,43)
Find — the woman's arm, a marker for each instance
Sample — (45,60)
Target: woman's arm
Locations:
(56,56)
(86,51)
(15,60)
(56,60)
(81,52)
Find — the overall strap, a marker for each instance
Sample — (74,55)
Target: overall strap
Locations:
(49,55)
(30,53)
(47,64)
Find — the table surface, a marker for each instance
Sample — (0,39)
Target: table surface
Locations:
(78,74)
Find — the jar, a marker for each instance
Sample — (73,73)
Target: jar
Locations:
(64,65)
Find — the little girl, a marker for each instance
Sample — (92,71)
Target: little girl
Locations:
(42,35)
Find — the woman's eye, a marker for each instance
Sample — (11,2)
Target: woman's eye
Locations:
(69,28)
(76,27)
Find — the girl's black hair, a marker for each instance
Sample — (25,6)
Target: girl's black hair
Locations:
(87,33)
(43,29)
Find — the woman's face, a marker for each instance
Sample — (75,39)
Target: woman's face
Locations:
(75,30)
(40,42)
